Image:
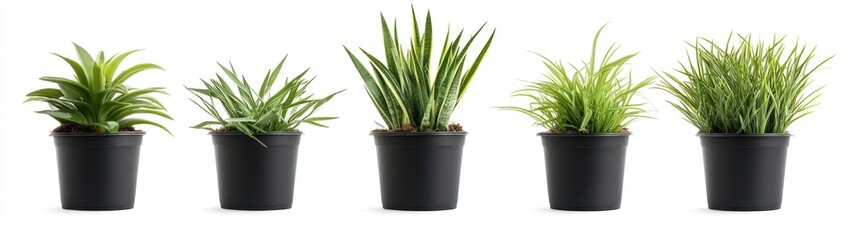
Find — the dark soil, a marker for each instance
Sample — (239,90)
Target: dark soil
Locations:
(624,130)
(223,129)
(77,128)
(453,127)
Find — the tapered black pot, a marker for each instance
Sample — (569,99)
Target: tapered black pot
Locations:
(419,171)
(585,171)
(97,171)
(252,177)
(744,172)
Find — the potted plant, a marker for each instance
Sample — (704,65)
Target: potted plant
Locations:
(256,138)
(586,111)
(420,152)
(742,96)
(97,146)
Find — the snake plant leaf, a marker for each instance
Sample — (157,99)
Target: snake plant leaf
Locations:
(404,89)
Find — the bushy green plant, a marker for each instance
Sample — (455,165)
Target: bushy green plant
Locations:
(402,88)
(97,100)
(744,87)
(265,110)
(593,98)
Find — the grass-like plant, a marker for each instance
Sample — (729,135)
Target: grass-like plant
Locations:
(97,99)
(744,86)
(265,110)
(592,98)
(405,91)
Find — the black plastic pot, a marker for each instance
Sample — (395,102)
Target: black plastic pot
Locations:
(419,171)
(97,171)
(585,171)
(252,177)
(744,172)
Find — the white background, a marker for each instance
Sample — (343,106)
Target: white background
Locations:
(503,187)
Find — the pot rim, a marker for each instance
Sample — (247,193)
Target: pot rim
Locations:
(418,134)
(551,134)
(763,135)
(221,133)
(93,134)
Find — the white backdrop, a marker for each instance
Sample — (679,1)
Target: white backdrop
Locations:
(503,187)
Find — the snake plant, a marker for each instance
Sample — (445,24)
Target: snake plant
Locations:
(406,91)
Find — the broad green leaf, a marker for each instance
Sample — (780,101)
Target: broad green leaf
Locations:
(70,87)
(46,92)
(67,115)
(113,63)
(86,60)
(127,73)
(112,126)
(96,83)
(81,74)
(128,122)
(92,99)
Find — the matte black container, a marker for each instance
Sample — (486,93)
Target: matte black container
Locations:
(585,171)
(419,171)
(97,171)
(252,177)
(744,172)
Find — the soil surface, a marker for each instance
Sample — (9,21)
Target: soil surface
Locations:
(77,128)
(453,127)
(223,129)
(624,130)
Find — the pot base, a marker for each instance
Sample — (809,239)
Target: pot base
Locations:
(256,208)
(585,208)
(98,208)
(745,209)
(420,208)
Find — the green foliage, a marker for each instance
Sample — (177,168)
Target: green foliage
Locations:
(744,87)
(265,110)
(97,98)
(402,88)
(593,98)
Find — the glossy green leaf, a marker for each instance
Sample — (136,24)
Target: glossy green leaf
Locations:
(138,121)
(94,99)
(46,92)
(124,75)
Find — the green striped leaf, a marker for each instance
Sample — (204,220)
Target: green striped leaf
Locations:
(404,89)
(271,109)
